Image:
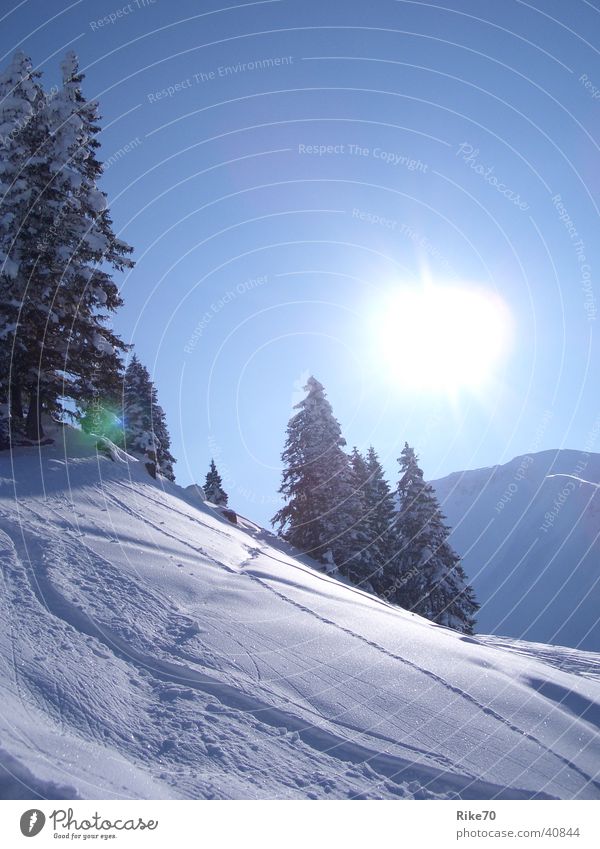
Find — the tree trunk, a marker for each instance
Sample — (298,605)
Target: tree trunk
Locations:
(16,402)
(33,425)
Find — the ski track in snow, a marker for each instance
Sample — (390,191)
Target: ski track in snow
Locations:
(156,651)
(436,678)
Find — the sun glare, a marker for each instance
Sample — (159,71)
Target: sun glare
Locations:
(443,338)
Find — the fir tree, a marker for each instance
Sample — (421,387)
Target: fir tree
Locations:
(144,422)
(4,428)
(382,517)
(21,104)
(323,510)
(359,467)
(213,487)
(88,294)
(377,522)
(55,234)
(429,579)
(366,562)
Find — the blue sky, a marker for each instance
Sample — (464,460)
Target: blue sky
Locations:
(281,167)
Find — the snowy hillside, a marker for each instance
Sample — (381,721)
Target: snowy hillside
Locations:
(151,649)
(529,535)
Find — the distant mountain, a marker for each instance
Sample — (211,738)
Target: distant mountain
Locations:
(529,535)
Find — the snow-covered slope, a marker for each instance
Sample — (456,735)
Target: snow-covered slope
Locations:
(529,534)
(149,648)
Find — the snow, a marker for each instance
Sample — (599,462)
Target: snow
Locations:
(10,268)
(154,650)
(7,329)
(96,200)
(102,344)
(196,491)
(575,478)
(116,454)
(529,536)
(96,242)
(69,66)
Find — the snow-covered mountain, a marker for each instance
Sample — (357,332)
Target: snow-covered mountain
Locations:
(151,649)
(529,535)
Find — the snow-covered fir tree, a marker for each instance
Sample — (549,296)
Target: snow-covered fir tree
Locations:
(359,467)
(56,244)
(213,487)
(88,293)
(4,427)
(21,105)
(323,507)
(382,518)
(144,422)
(366,563)
(429,578)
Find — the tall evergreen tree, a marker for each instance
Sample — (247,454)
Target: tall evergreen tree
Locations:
(4,428)
(213,487)
(144,422)
(429,580)
(366,562)
(377,522)
(22,310)
(87,294)
(382,517)
(359,467)
(55,236)
(323,510)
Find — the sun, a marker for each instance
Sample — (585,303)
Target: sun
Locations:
(438,338)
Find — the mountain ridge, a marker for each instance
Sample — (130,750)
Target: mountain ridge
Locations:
(528,532)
